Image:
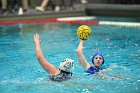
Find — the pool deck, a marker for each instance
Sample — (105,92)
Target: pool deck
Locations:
(113,10)
(45,15)
(32,14)
(78,10)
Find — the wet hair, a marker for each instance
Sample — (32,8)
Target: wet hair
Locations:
(98,54)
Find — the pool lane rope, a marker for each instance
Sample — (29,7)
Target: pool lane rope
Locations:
(74,20)
(126,24)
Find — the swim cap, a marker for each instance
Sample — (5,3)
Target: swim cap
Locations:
(67,65)
(98,54)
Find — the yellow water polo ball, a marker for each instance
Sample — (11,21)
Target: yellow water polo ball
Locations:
(83,32)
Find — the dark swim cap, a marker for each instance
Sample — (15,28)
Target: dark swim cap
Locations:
(98,54)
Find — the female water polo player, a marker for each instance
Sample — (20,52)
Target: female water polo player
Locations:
(97,60)
(65,69)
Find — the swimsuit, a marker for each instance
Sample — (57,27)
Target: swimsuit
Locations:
(92,70)
(61,77)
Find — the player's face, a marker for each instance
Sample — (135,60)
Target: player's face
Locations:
(98,60)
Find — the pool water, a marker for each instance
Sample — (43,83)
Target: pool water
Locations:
(21,72)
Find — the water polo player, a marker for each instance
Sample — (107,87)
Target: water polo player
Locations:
(65,69)
(83,32)
(97,60)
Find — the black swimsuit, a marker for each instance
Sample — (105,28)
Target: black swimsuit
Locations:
(61,77)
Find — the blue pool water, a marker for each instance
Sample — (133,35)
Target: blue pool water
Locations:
(21,72)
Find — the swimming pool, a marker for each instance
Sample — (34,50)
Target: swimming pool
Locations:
(21,72)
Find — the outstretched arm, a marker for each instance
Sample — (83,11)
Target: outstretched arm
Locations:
(81,57)
(51,69)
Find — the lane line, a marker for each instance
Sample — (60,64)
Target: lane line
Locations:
(126,24)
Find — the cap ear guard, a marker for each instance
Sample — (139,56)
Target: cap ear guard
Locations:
(67,65)
(98,54)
